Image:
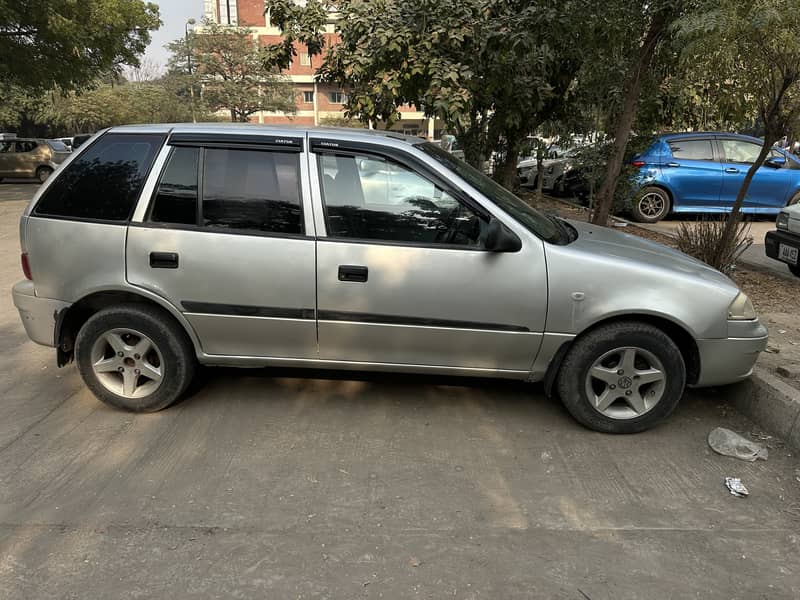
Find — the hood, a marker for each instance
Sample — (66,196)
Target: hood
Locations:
(794,217)
(531,162)
(645,253)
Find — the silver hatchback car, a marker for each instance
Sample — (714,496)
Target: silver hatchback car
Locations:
(155,248)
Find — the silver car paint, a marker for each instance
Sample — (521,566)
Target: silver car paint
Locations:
(602,274)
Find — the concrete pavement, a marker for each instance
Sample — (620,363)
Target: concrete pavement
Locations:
(18,189)
(264,484)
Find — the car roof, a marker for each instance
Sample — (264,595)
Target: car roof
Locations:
(706,134)
(256,129)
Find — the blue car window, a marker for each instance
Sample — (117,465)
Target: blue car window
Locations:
(691,149)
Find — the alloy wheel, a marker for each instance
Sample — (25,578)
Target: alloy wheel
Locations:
(127,363)
(625,383)
(651,204)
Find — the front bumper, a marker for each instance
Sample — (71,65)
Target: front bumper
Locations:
(38,315)
(776,237)
(731,359)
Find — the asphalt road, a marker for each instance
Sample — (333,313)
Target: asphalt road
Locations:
(264,484)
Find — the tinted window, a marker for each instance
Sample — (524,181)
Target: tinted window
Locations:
(739,151)
(252,190)
(26,146)
(57,146)
(374,199)
(104,182)
(176,197)
(692,149)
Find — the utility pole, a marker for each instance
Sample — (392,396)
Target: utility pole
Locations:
(189,64)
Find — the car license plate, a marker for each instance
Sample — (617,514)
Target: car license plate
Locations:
(787,254)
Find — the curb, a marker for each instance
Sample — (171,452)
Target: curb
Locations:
(771,404)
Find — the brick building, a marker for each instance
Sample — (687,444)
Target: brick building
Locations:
(316,102)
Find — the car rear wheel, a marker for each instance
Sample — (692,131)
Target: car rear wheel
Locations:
(132,357)
(794,199)
(623,377)
(651,205)
(42,173)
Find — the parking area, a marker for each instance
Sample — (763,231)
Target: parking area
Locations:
(17,189)
(267,484)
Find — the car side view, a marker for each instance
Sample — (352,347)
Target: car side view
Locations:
(703,172)
(31,158)
(155,248)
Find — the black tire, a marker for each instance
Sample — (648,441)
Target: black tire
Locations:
(177,361)
(42,173)
(794,199)
(650,205)
(589,348)
(795,270)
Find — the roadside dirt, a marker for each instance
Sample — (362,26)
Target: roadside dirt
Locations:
(775,298)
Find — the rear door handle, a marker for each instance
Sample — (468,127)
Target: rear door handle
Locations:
(673,164)
(731,170)
(353,273)
(164,260)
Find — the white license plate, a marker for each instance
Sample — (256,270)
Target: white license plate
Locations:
(787,254)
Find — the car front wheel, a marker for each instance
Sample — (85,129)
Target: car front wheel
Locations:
(133,357)
(651,205)
(623,377)
(42,173)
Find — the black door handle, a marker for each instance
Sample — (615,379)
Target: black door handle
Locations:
(164,260)
(353,273)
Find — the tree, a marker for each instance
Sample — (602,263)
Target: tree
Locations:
(492,71)
(236,73)
(63,43)
(754,48)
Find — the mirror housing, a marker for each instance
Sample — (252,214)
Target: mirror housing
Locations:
(500,238)
(776,162)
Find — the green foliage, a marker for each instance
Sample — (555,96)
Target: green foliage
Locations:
(68,43)
(236,74)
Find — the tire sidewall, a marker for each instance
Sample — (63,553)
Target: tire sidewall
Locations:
(177,367)
(585,351)
(641,217)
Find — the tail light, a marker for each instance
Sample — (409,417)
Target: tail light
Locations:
(638,163)
(26,266)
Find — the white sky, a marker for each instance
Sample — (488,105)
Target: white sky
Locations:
(174,14)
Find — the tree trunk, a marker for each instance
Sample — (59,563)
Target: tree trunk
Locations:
(539,178)
(633,86)
(506,174)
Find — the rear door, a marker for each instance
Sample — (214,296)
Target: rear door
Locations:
(403,277)
(693,174)
(6,158)
(770,185)
(227,239)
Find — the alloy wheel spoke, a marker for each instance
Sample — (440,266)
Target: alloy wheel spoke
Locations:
(151,372)
(143,346)
(604,374)
(115,341)
(605,399)
(129,381)
(627,361)
(649,376)
(636,402)
(106,365)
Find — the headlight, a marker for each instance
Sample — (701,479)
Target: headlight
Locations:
(741,309)
(783,221)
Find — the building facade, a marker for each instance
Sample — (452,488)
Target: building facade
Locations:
(317,103)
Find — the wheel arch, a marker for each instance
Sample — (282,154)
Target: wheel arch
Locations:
(676,332)
(70,320)
(665,188)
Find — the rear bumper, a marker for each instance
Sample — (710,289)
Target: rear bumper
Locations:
(775,238)
(728,360)
(39,315)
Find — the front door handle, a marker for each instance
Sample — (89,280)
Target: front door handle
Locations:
(353,273)
(673,164)
(731,170)
(164,260)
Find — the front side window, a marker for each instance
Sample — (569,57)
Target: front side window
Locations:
(691,149)
(251,190)
(105,181)
(371,198)
(739,151)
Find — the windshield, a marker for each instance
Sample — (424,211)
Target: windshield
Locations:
(536,222)
(57,146)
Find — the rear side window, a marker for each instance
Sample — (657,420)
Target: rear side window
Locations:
(26,146)
(57,146)
(691,149)
(104,182)
(251,190)
(176,197)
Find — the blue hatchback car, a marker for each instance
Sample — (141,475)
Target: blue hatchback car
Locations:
(703,172)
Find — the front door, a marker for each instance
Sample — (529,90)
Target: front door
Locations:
(402,276)
(769,187)
(230,248)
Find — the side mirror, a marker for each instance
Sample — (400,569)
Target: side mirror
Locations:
(500,238)
(776,162)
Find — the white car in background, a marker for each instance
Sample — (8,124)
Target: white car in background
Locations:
(554,167)
(783,244)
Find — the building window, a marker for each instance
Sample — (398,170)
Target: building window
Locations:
(337,97)
(308,97)
(305,59)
